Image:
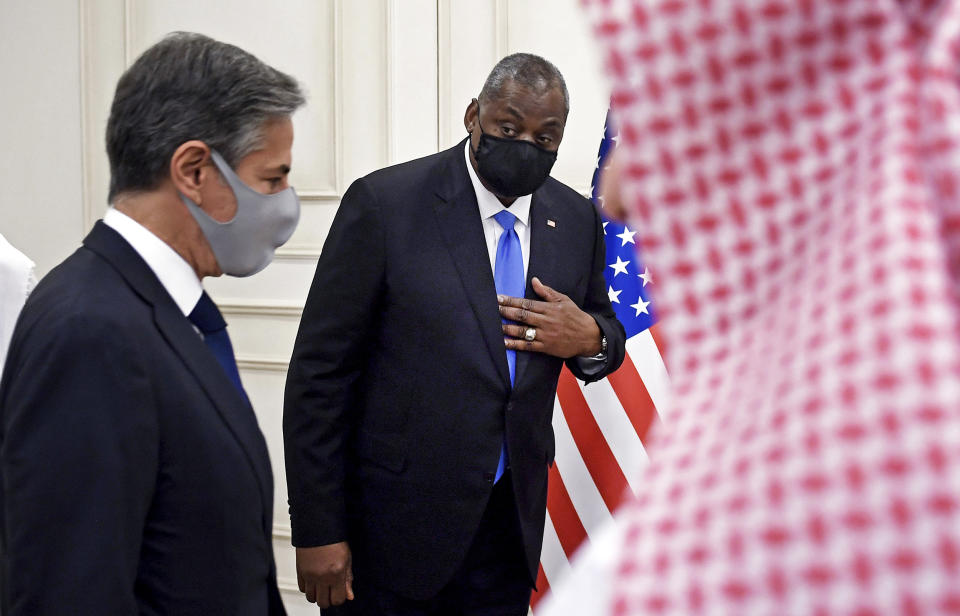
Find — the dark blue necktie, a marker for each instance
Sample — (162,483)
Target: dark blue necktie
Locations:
(508,277)
(206,316)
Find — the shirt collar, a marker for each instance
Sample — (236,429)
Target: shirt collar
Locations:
(488,202)
(174,273)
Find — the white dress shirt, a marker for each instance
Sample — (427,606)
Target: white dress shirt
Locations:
(174,273)
(17,279)
(490,206)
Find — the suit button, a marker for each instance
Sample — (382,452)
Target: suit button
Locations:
(509,406)
(488,477)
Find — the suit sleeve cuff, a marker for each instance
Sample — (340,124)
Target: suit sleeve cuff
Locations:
(591,365)
(312,526)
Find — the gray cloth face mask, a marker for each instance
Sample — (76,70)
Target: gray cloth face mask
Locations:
(245,245)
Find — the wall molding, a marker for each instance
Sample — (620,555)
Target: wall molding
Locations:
(260,308)
(321,196)
(289,586)
(262,364)
(305,252)
(443,73)
(285,584)
(104,34)
(501,33)
(86,181)
(127,32)
(390,108)
(338,101)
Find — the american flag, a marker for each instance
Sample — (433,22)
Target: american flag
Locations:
(600,428)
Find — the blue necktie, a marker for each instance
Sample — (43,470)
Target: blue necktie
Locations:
(206,316)
(508,277)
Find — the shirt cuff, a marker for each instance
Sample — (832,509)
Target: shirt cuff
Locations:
(591,365)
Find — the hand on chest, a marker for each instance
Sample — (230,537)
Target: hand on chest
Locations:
(450,271)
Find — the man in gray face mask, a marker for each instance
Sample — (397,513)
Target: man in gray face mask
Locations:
(135,478)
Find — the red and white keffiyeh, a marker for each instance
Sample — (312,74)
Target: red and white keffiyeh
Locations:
(795,166)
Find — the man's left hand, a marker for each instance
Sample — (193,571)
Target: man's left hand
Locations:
(560,328)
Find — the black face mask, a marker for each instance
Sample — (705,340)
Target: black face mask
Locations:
(512,167)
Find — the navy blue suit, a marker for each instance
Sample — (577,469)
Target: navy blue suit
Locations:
(135,479)
(398,395)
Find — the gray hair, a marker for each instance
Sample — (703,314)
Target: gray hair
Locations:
(528,70)
(189,86)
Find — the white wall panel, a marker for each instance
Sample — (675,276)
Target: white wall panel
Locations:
(284,282)
(475,35)
(471,38)
(316,216)
(40,132)
(363,71)
(295,36)
(264,330)
(558,31)
(103,58)
(261,386)
(411,72)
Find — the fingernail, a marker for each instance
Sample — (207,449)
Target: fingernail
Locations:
(500,299)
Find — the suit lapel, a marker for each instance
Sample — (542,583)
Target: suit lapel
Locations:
(543,257)
(232,408)
(458,217)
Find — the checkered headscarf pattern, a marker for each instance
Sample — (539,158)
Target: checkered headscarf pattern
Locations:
(795,166)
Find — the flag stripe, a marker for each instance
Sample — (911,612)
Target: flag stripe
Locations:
(583,493)
(552,559)
(658,340)
(601,463)
(569,528)
(634,397)
(645,355)
(617,429)
(542,588)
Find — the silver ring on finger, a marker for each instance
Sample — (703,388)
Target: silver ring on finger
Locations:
(530,335)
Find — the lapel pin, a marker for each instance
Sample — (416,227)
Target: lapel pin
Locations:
(551,223)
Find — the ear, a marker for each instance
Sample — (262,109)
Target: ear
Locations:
(190,169)
(470,115)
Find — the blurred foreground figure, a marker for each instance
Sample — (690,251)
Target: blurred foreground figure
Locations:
(794,171)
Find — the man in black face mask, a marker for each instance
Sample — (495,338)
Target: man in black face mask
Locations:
(417,420)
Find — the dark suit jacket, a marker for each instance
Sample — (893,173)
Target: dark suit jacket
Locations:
(135,477)
(398,393)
